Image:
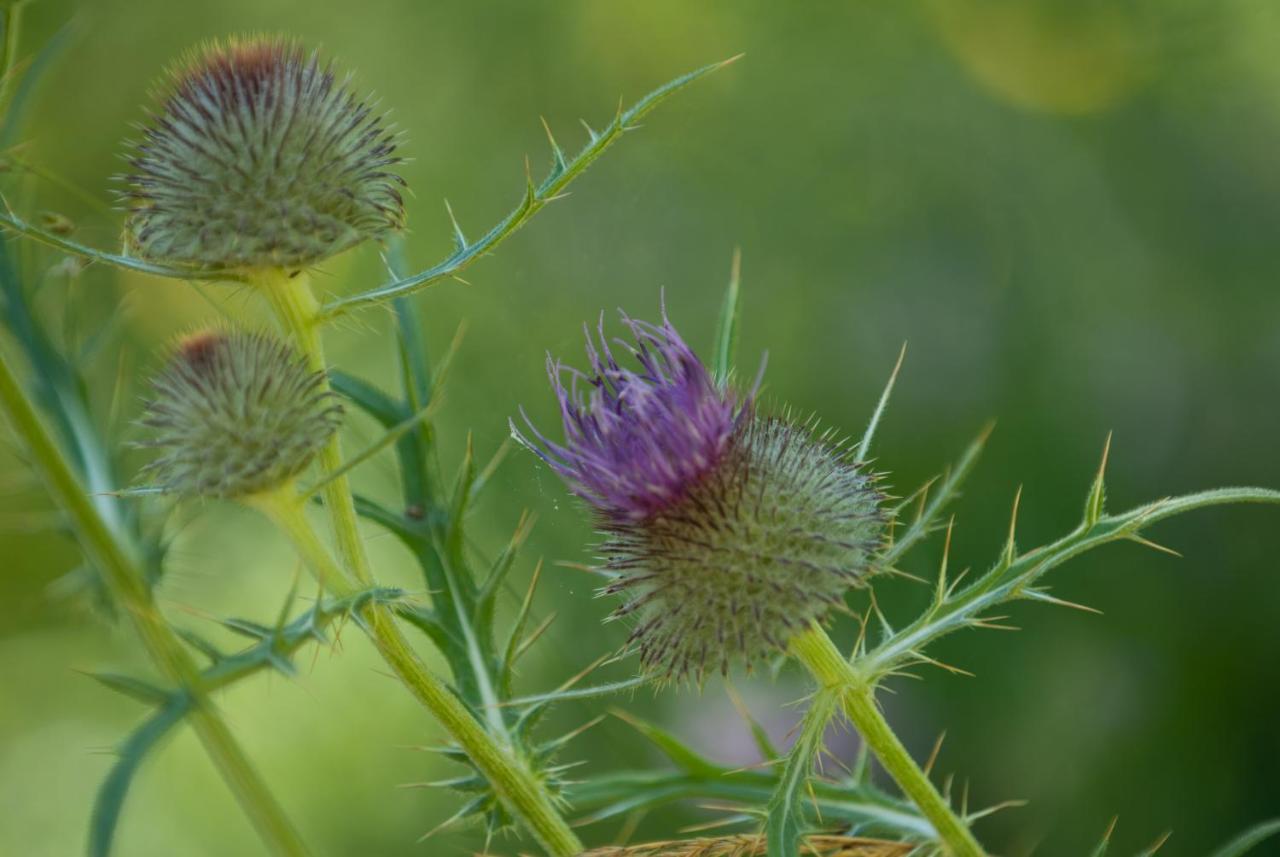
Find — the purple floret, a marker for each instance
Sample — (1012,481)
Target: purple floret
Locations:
(636,441)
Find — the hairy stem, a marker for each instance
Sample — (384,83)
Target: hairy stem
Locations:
(127,583)
(296,309)
(818,653)
(522,792)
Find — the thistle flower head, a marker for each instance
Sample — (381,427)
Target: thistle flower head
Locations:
(635,441)
(726,530)
(258,157)
(235,414)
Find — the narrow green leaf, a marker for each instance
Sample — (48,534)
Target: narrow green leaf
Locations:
(864,446)
(671,746)
(111,794)
(726,342)
(572,693)
(369,398)
(392,521)
(135,688)
(390,437)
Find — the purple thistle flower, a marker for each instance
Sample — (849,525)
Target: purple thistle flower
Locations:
(636,441)
(727,531)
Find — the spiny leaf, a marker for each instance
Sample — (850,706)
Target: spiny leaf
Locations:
(1007,580)
(786,817)
(535,197)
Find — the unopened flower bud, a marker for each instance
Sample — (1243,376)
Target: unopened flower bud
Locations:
(726,530)
(235,414)
(258,157)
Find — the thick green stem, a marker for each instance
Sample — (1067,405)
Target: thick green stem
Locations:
(818,653)
(296,309)
(123,576)
(522,792)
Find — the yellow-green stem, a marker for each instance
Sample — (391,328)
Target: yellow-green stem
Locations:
(124,578)
(296,309)
(524,795)
(819,654)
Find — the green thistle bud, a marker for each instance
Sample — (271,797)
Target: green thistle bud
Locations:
(767,541)
(236,414)
(259,158)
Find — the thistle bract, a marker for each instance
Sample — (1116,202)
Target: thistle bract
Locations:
(235,414)
(258,157)
(726,530)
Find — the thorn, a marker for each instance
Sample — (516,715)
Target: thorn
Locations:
(943,591)
(459,240)
(1093,507)
(1041,595)
(933,756)
(556,151)
(1159,843)
(954,670)
(533,636)
(992,810)
(1010,550)
(1145,542)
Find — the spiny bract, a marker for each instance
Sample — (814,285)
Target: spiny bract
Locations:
(259,158)
(727,531)
(235,414)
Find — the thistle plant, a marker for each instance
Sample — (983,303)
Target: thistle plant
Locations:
(732,533)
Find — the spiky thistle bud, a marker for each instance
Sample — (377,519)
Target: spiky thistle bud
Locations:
(726,530)
(258,157)
(235,414)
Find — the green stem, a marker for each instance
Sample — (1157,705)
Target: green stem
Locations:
(127,584)
(514,782)
(296,309)
(818,653)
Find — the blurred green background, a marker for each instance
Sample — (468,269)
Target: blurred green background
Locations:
(1069,208)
